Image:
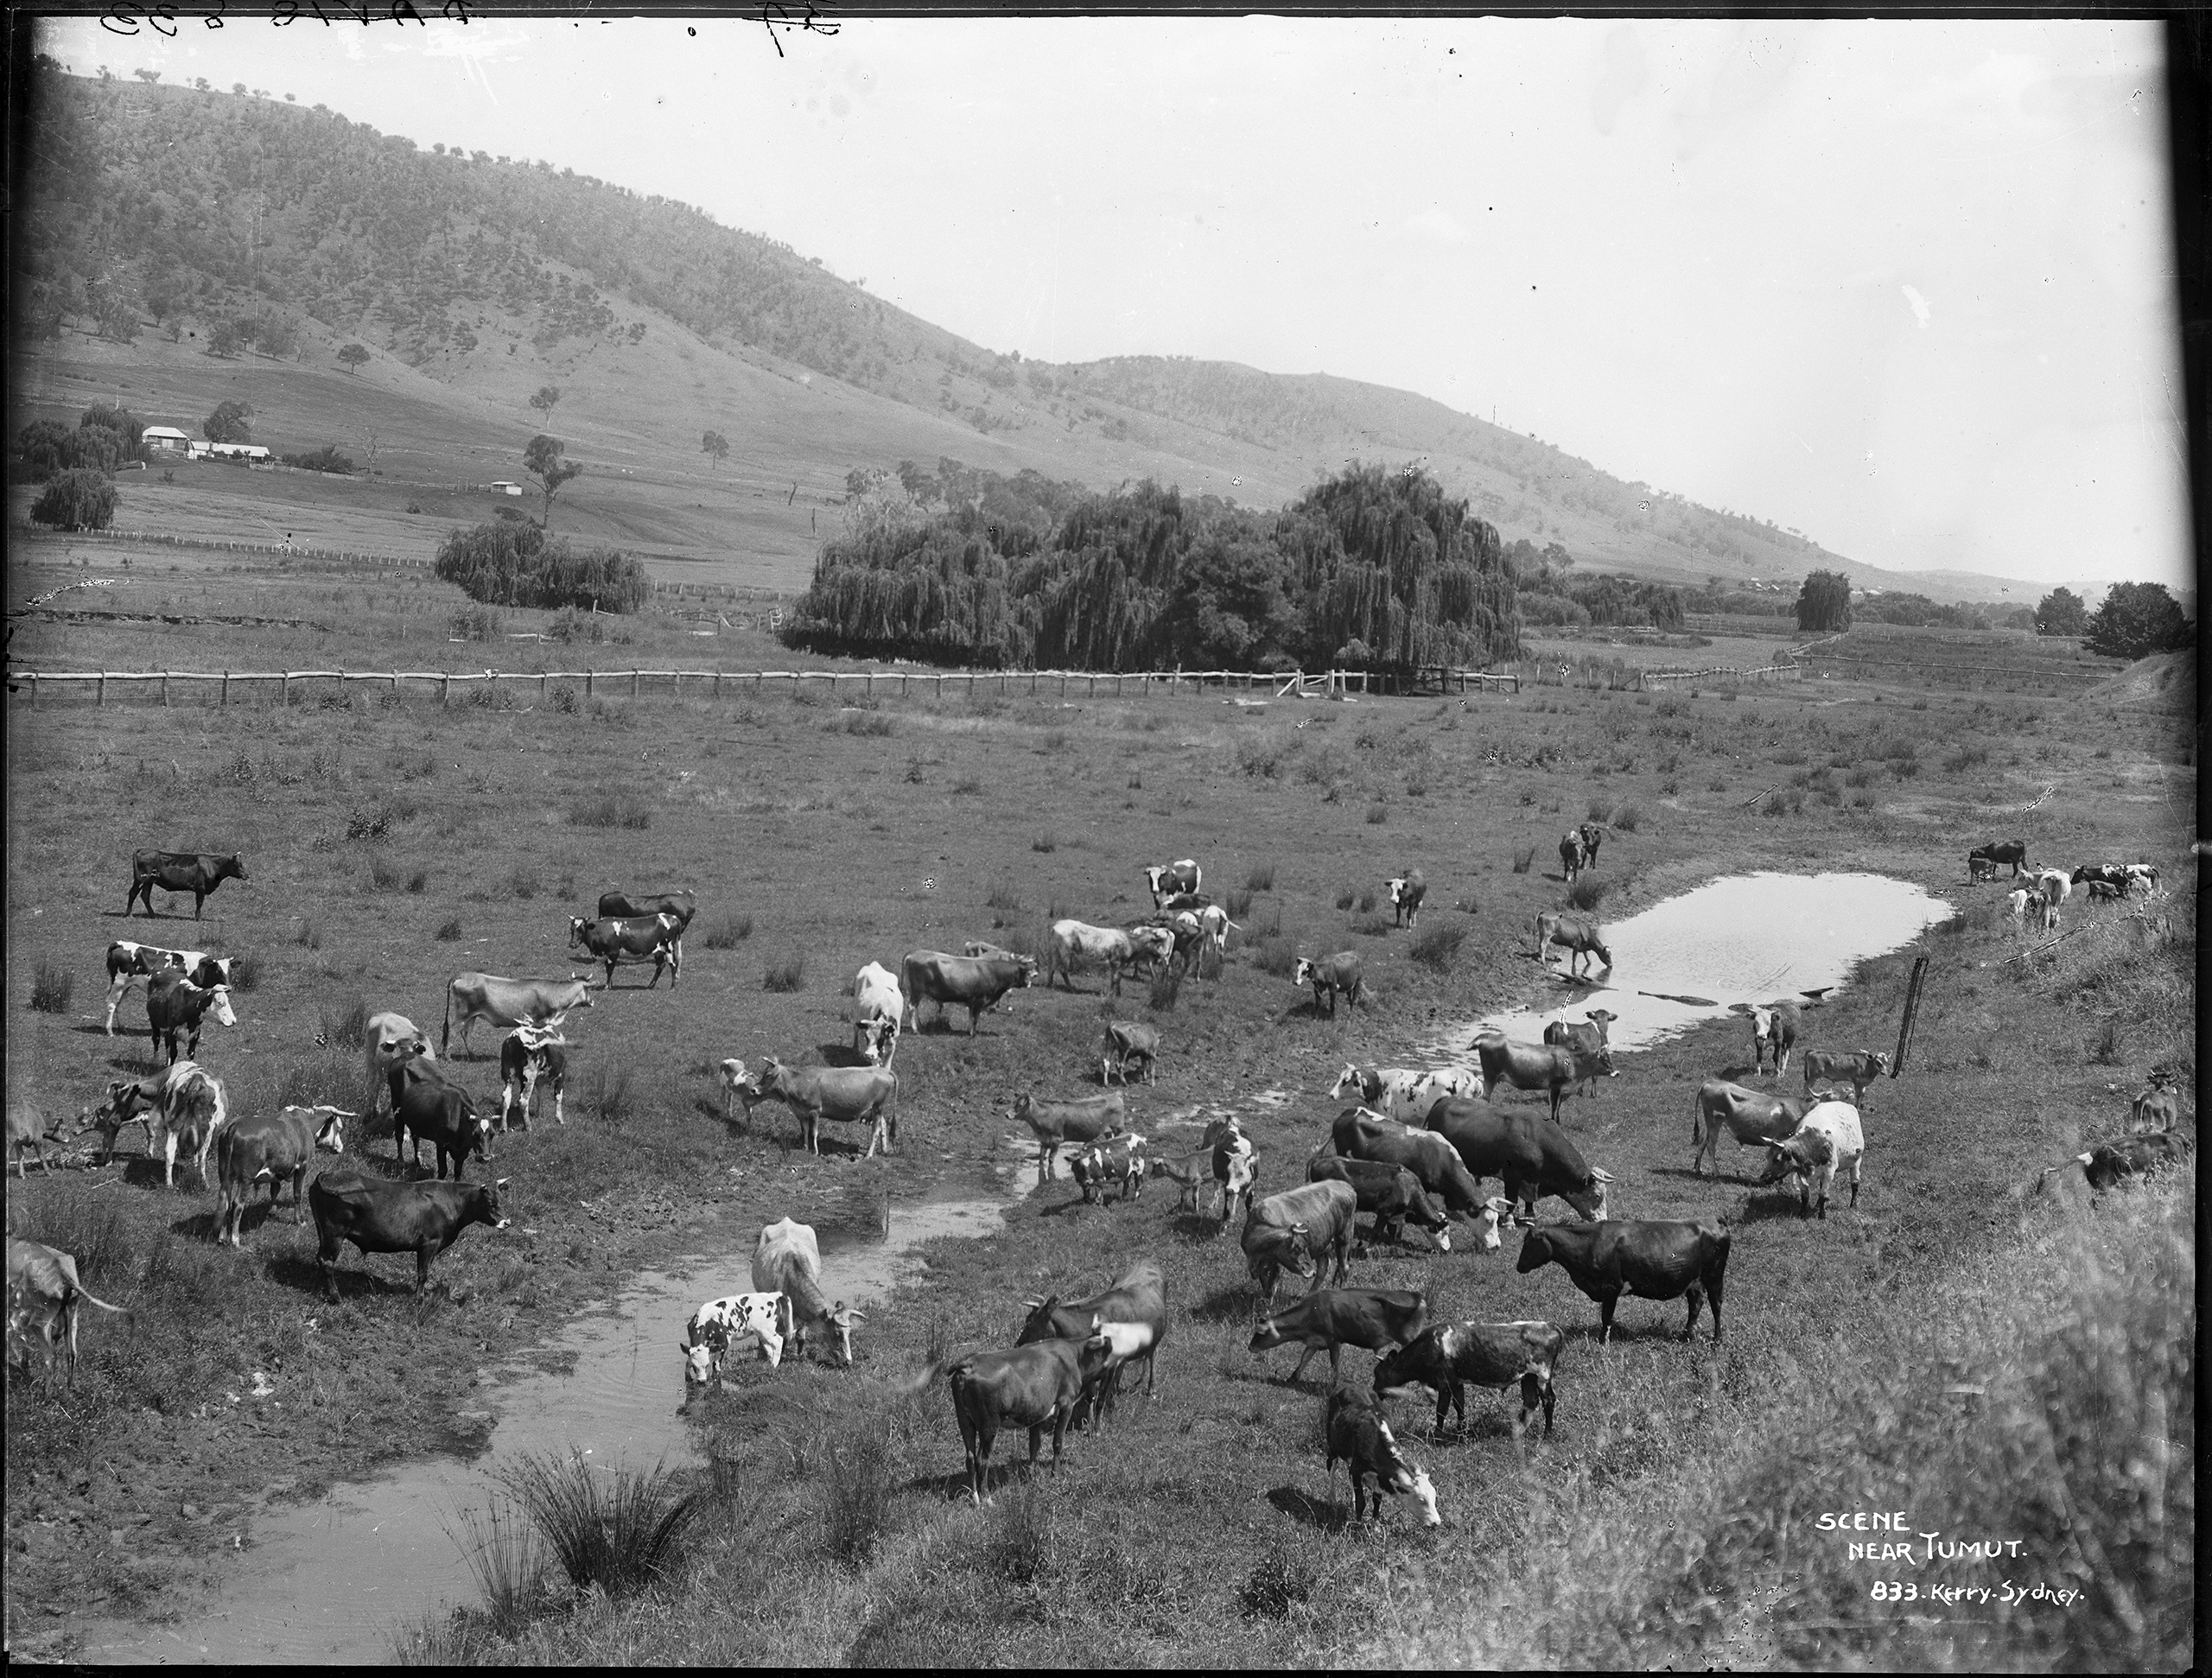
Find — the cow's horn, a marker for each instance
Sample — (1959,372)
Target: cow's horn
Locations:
(503,1182)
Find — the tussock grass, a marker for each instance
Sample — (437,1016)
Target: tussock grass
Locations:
(1238,906)
(1371,926)
(383,875)
(1436,945)
(608,811)
(1347,897)
(245,973)
(611,1095)
(309,936)
(1625,817)
(727,930)
(1003,899)
(51,986)
(1261,878)
(1524,858)
(1276,956)
(618,1529)
(1045,842)
(346,1026)
(1166,991)
(449,931)
(858,1478)
(870,724)
(504,1558)
(1589,890)
(787,975)
(1377,814)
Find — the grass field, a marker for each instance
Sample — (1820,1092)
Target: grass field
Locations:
(1203,1531)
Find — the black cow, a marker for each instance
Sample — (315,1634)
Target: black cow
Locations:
(1592,834)
(976,982)
(1448,1355)
(1131,1315)
(641,905)
(1360,1134)
(1530,1156)
(1360,1437)
(1027,1387)
(1332,1319)
(425,1105)
(657,938)
(377,1216)
(2109,1164)
(1651,1258)
(1393,1194)
(175,1004)
(1982,860)
(526,1056)
(197,871)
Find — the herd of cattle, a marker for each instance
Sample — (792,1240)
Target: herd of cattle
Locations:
(1411,1152)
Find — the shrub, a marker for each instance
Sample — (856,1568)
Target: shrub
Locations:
(786,975)
(1588,891)
(309,935)
(1283,1581)
(637,816)
(1437,944)
(76,500)
(1276,956)
(1967,757)
(1626,816)
(1166,990)
(1524,860)
(1045,842)
(1366,902)
(564,699)
(1238,906)
(449,932)
(1261,878)
(1371,926)
(1346,897)
(51,986)
(968,785)
(476,623)
(417,881)
(245,973)
(727,931)
(1377,814)
(346,1028)
(325,459)
(618,1529)
(369,824)
(859,1475)
(869,722)
(1002,898)
(602,811)
(507,564)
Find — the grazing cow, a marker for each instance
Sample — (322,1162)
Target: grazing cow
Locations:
(1651,1258)
(388,1039)
(43,1280)
(527,1055)
(1592,834)
(378,1217)
(2110,874)
(1774,1034)
(182,1103)
(1075,943)
(1359,1134)
(508,1003)
(644,905)
(976,982)
(128,962)
(851,1094)
(28,1128)
(1531,1157)
(1577,934)
(1828,1140)
(620,943)
(1127,1041)
(787,1260)
(1983,860)
(2103,891)
(1445,1357)
(1404,1094)
(2016,901)
(1056,1121)
(1549,1067)
(1236,1167)
(429,1107)
(267,1147)
(1175,880)
(2144,875)
(1214,922)
(878,1013)
(1860,1067)
(741,1322)
(1115,1159)
(2109,1164)
(1330,974)
(1025,1387)
(1752,1117)
(1392,1195)
(1407,891)
(2154,1108)
(1292,1229)
(197,871)
(1359,1438)
(1190,1172)
(1131,1315)
(1151,948)
(1331,1318)
(175,1005)
(1573,854)
(2055,885)
(1189,937)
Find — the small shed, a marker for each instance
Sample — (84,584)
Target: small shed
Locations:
(501,486)
(165,440)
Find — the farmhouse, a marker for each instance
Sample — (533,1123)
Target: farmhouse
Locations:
(229,451)
(165,440)
(501,486)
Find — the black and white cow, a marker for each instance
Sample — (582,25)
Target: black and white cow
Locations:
(128,962)
(526,1056)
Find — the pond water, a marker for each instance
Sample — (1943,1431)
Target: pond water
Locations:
(336,1580)
(1751,937)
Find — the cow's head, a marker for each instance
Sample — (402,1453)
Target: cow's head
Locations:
(842,1318)
(1350,1078)
(1603,1060)
(221,997)
(1879,1059)
(1025,970)
(1601,1018)
(329,1125)
(1590,1200)
(1536,1251)
(576,925)
(483,1205)
(1266,1334)
(232,865)
(1604,955)
(585,985)
(1397,890)
(1304,972)
(1038,1324)
(212,971)
(1492,1212)
(1423,1491)
(703,1357)
(774,1078)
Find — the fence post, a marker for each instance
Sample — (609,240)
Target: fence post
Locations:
(902,684)
(718,684)
(226,698)
(445,687)
(99,695)
(395,685)
(870,689)
(284,690)
(544,684)
(633,684)
(590,676)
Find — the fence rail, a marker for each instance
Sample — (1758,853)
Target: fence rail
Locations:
(1762,673)
(715,684)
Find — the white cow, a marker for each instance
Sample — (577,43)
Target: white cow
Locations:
(1828,1139)
(723,1327)
(1406,1094)
(787,1260)
(1152,946)
(1075,943)
(878,1013)
(1214,922)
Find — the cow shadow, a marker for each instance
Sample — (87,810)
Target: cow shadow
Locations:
(1777,1207)
(839,1054)
(1196,1228)
(1309,1511)
(1236,1303)
(1686,1175)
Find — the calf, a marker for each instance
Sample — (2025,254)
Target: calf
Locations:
(1333,1317)
(1391,1194)
(175,1004)
(1577,934)
(2155,1109)
(526,1055)
(1056,1121)
(878,1013)
(618,943)
(1774,1034)
(1446,1355)
(1115,1159)
(1151,949)
(1236,1167)
(1753,1117)
(1359,1438)
(1828,1140)
(1330,974)
(1031,1386)
(1650,1258)
(426,1105)
(128,962)
(28,1128)
(1860,1067)
(1127,1041)
(197,871)
(42,1282)
(1131,1315)
(184,1103)
(1592,834)
(267,1147)
(1174,879)
(2105,891)
(1190,1172)
(2112,1163)
(1292,1229)
(787,1260)
(424,1218)
(1586,1040)
(1573,854)
(1407,893)
(720,1328)
(1982,860)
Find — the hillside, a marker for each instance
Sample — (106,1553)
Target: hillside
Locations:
(474,281)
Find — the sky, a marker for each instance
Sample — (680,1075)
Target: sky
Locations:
(1904,286)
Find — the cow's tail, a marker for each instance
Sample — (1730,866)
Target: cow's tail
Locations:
(959,1369)
(1697,1119)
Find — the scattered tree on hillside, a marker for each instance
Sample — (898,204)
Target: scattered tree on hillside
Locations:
(1824,602)
(548,398)
(542,460)
(2137,618)
(716,445)
(2061,613)
(222,339)
(238,87)
(150,77)
(115,312)
(275,334)
(76,500)
(200,82)
(354,355)
(228,425)
(325,459)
